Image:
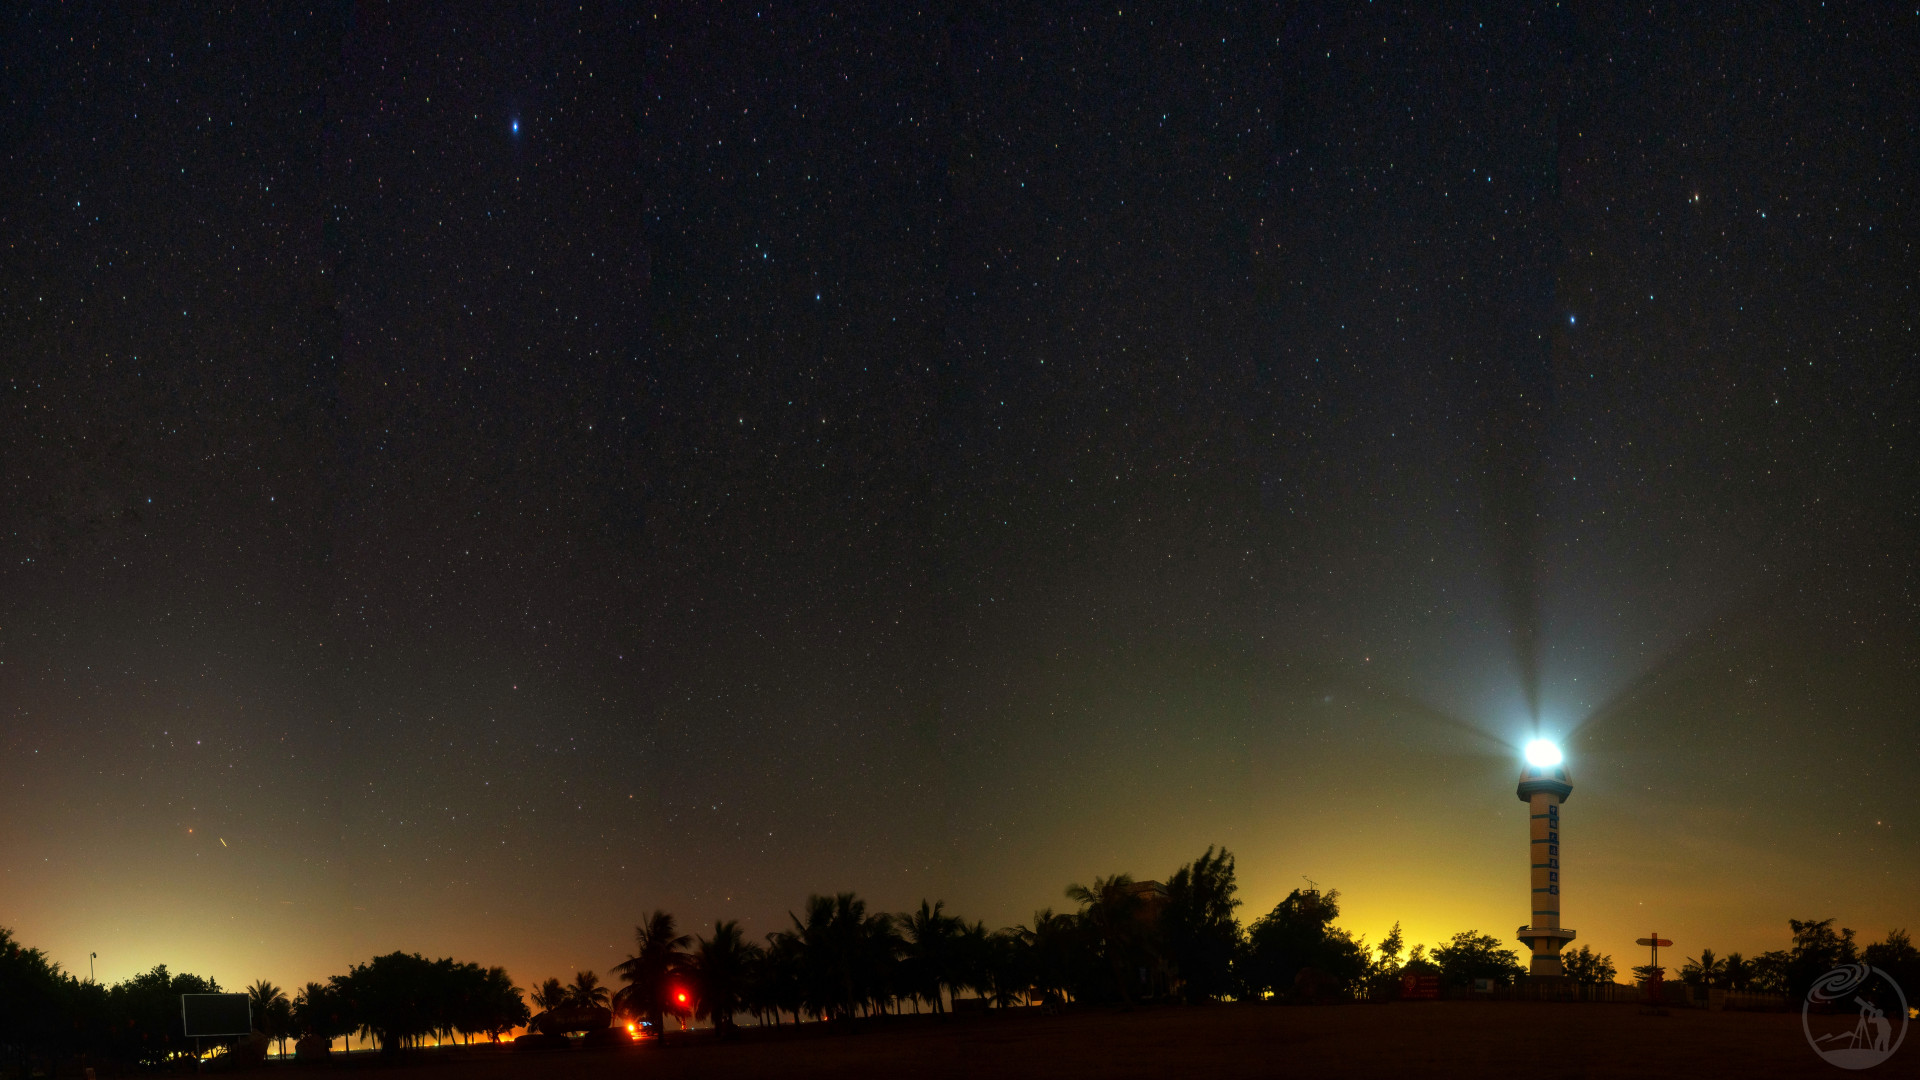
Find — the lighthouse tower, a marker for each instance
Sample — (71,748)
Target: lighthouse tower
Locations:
(1544,785)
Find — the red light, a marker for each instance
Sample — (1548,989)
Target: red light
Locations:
(681,998)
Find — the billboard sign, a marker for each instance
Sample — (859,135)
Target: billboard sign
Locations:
(1420,987)
(216,1014)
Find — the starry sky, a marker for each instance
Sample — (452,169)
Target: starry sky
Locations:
(470,478)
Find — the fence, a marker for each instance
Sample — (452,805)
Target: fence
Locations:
(1673,994)
(1528,988)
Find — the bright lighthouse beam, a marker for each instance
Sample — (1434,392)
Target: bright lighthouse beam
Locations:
(1542,754)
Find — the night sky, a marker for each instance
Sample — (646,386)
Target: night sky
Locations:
(467,480)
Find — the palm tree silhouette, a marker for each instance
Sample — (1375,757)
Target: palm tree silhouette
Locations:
(1052,945)
(928,943)
(659,951)
(272,1012)
(780,982)
(1708,970)
(1112,910)
(1199,927)
(586,990)
(315,1012)
(550,995)
(846,955)
(1738,972)
(720,967)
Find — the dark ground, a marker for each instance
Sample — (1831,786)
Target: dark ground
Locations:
(1441,1039)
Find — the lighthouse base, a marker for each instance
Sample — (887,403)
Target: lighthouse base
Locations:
(1546,943)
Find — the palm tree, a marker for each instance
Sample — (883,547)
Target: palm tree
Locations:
(1199,925)
(779,984)
(1009,967)
(929,946)
(845,954)
(1708,970)
(1738,971)
(878,971)
(1111,909)
(550,995)
(1051,945)
(272,1012)
(720,967)
(502,1008)
(586,990)
(819,956)
(659,951)
(320,1010)
(975,955)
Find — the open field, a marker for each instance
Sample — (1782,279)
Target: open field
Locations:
(1438,1039)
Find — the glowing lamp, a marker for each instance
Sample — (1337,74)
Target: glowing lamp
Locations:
(1542,754)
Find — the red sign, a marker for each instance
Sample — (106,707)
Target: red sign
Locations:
(1420,987)
(1657,942)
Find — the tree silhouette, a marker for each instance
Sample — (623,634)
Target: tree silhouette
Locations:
(1004,963)
(318,1012)
(779,982)
(1296,948)
(550,995)
(1471,956)
(146,1010)
(974,969)
(34,995)
(1739,972)
(928,946)
(1769,971)
(659,950)
(1383,974)
(501,1009)
(1704,971)
(586,990)
(1199,925)
(397,999)
(1054,952)
(1586,966)
(720,967)
(272,1012)
(1111,909)
(1899,959)
(1816,950)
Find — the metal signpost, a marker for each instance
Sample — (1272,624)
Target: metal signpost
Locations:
(1654,983)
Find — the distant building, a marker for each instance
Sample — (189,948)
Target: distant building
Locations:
(1153,899)
(1155,978)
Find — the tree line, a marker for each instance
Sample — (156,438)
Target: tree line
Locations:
(397,1000)
(1816,949)
(1122,942)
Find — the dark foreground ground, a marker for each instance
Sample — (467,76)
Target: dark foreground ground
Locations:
(1433,1039)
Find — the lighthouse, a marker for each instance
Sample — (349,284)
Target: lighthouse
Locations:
(1544,786)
